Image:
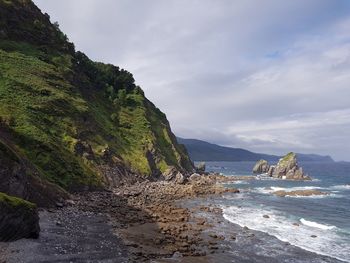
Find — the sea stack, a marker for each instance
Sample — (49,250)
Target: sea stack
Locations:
(261,167)
(286,168)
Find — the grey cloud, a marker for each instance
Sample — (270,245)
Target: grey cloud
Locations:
(213,66)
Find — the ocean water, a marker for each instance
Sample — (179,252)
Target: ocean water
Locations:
(296,220)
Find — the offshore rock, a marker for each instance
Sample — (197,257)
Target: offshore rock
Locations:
(288,168)
(200,168)
(261,167)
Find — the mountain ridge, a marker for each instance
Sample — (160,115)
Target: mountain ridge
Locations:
(204,151)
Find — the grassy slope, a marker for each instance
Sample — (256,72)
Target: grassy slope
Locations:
(52,97)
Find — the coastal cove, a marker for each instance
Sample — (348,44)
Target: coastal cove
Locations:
(315,223)
(203,220)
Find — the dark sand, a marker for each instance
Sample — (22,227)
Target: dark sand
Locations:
(68,235)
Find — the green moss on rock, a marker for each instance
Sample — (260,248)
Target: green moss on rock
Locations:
(15,202)
(285,160)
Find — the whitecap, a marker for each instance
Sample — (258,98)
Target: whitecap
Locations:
(341,187)
(311,236)
(316,225)
(269,190)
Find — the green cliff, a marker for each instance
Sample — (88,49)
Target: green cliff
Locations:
(78,122)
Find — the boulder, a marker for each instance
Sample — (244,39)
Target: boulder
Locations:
(261,167)
(180,178)
(173,175)
(18,219)
(200,168)
(194,177)
(170,174)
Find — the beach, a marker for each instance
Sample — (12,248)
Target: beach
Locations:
(152,222)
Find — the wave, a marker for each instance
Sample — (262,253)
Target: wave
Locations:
(341,187)
(316,225)
(315,237)
(313,196)
(269,190)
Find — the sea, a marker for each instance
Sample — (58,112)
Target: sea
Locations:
(319,224)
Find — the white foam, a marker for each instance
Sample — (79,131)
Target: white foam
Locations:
(341,187)
(269,190)
(327,241)
(316,225)
(311,196)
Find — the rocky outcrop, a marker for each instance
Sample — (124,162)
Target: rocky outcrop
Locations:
(261,167)
(173,175)
(21,179)
(283,193)
(18,219)
(271,170)
(286,168)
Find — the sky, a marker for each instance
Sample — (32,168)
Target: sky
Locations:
(269,76)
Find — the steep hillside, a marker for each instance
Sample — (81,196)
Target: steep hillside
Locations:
(78,122)
(204,151)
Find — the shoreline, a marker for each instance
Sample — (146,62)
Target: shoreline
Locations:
(156,222)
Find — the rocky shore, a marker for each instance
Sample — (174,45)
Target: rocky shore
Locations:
(150,222)
(142,221)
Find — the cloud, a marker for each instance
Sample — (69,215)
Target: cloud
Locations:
(271,77)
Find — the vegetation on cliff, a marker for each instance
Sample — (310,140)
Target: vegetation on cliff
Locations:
(14,202)
(71,116)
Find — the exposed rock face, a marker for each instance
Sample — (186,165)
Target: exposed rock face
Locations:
(170,174)
(286,168)
(283,193)
(18,219)
(19,178)
(261,167)
(173,175)
(271,170)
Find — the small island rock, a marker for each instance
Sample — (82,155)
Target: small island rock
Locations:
(286,168)
(261,167)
